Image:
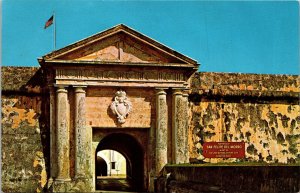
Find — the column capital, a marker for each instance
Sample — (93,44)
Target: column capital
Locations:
(185,92)
(161,91)
(176,91)
(79,89)
(61,90)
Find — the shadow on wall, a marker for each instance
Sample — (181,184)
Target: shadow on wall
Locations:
(37,83)
(44,120)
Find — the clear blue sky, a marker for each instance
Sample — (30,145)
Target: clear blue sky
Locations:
(247,37)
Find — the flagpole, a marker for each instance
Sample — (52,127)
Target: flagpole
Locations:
(54,30)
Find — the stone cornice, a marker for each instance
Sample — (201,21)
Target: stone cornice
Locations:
(101,63)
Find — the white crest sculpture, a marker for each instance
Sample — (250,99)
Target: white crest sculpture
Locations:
(121,106)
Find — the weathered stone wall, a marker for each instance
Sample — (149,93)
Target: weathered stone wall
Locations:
(261,110)
(24,133)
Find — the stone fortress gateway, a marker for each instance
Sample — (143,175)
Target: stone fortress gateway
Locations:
(148,83)
(123,91)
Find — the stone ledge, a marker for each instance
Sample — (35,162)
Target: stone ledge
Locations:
(230,178)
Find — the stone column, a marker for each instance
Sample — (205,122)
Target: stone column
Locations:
(161,130)
(82,141)
(52,133)
(179,135)
(62,135)
(186,125)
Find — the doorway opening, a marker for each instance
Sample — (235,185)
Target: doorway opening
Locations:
(119,163)
(110,164)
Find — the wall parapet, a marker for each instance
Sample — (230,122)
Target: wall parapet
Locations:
(21,80)
(206,84)
(258,96)
(245,82)
(262,88)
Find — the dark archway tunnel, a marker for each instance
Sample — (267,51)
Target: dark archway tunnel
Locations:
(102,166)
(129,147)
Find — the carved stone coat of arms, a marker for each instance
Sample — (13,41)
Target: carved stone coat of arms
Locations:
(121,106)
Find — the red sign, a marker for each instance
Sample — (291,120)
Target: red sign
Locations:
(224,149)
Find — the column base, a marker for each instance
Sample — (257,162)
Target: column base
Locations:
(63,180)
(61,185)
(72,185)
(80,178)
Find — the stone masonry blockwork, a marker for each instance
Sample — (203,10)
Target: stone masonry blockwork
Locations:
(262,110)
(271,131)
(23,158)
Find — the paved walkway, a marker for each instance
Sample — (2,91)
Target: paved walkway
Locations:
(114,184)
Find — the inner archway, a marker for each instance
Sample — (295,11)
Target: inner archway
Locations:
(102,167)
(110,163)
(133,153)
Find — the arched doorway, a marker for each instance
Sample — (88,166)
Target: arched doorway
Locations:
(110,163)
(129,147)
(102,166)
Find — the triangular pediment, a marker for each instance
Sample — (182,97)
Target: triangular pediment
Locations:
(119,44)
(120,47)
